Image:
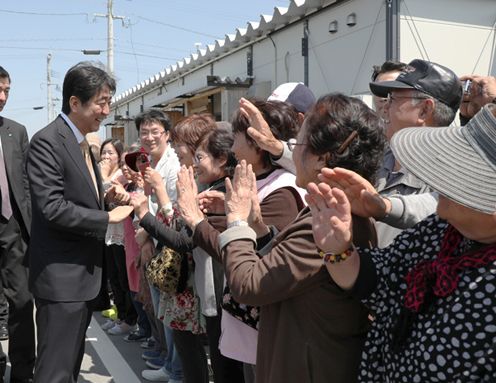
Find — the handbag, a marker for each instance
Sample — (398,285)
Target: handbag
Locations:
(249,315)
(163,270)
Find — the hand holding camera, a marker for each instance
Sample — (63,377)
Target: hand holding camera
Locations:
(143,164)
(477,92)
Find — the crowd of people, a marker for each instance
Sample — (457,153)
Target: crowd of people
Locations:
(305,240)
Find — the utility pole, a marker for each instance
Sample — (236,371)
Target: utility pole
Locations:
(110,35)
(50,103)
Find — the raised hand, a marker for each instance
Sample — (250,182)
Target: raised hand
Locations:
(212,201)
(482,92)
(187,192)
(365,200)
(140,204)
(105,168)
(153,178)
(255,218)
(331,217)
(120,195)
(239,193)
(259,130)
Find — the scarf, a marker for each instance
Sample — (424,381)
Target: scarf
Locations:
(438,278)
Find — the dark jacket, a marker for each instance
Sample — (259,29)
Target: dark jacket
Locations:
(69,224)
(15,148)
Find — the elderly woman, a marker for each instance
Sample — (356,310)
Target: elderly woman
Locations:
(433,290)
(280,202)
(180,310)
(310,329)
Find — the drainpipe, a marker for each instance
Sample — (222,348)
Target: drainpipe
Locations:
(304,51)
(275,61)
(249,61)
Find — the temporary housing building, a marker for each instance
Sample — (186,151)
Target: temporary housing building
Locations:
(330,45)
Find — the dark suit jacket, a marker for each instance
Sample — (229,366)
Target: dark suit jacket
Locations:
(69,224)
(15,147)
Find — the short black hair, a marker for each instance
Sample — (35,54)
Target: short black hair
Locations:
(387,66)
(153,115)
(84,80)
(4,73)
(348,131)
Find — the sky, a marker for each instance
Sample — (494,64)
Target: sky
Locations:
(153,35)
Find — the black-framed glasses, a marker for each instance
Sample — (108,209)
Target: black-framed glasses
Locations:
(292,144)
(390,98)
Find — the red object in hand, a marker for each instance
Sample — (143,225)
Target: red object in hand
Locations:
(142,163)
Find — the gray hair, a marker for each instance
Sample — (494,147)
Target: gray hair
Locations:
(443,115)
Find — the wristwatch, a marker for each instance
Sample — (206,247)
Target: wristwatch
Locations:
(238,222)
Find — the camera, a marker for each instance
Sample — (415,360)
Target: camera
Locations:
(467,86)
(142,162)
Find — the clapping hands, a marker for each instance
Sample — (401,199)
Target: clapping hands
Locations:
(187,193)
(241,200)
(331,217)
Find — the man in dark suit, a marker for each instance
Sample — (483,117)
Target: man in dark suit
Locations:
(15,221)
(69,223)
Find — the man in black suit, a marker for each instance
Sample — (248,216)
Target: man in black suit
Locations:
(69,223)
(15,221)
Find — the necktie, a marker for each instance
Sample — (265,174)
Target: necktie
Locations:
(4,188)
(85,149)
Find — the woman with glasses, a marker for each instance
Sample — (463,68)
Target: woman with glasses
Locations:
(432,290)
(310,330)
(280,202)
(182,311)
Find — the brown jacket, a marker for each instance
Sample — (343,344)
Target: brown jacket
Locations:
(310,330)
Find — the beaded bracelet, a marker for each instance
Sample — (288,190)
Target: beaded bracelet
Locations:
(332,258)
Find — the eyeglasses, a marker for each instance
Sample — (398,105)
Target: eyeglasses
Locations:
(390,98)
(153,133)
(292,144)
(199,158)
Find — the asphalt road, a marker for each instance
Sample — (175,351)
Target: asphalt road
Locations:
(108,359)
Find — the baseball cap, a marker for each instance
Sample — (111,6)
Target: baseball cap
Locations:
(294,93)
(427,77)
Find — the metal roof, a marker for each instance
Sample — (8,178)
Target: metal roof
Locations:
(254,30)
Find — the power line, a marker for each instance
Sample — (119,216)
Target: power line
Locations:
(118,43)
(53,39)
(177,27)
(122,42)
(79,51)
(42,13)
(152,56)
(42,48)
